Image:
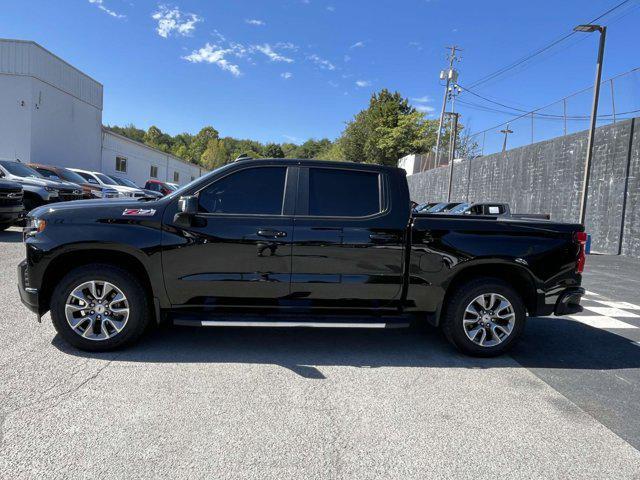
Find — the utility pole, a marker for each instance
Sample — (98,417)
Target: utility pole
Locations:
(448,75)
(452,149)
(594,114)
(506,132)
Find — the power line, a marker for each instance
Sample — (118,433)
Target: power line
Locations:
(541,50)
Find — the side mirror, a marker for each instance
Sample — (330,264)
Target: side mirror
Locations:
(187,208)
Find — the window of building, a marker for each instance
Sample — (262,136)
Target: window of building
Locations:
(176,176)
(121,164)
(256,191)
(343,193)
(154,171)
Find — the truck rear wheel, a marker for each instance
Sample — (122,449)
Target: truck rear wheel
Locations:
(484,317)
(99,307)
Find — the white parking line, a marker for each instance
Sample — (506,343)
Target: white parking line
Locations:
(601,321)
(611,312)
(609,303)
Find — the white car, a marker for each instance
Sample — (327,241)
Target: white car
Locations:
(97,178)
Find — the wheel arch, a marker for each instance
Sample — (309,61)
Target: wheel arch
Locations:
(516,276)
(68,261)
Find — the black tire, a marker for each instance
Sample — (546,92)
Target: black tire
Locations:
(454,313)
(139,306)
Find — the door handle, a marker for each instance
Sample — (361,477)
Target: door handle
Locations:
(271,233)
(383,237)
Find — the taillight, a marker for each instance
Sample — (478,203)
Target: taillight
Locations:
(581,238)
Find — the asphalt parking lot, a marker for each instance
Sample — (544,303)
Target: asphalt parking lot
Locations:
(283,403)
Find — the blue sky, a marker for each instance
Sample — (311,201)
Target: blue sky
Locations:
(294,69)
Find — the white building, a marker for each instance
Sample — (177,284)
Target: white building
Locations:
(51,113)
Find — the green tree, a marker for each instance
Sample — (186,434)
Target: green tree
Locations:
(273,150)
(386,131)
(215,155)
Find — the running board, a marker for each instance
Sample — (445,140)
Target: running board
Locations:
(287,323)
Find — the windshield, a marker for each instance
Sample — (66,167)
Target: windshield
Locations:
(104,179)
(71,176)
(119,181)
(182,189)
(460,208)
(438,208)
(20,170)
(128,183)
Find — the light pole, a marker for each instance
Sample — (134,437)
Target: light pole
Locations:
(594,114)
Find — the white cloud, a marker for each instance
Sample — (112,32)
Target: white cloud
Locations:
(357,45)
(425,99)
(333,84)
(100,5)
(331,8)
(291,138)
(172,20)
(347,58)
(215,55)
(321,62)
(286,75)
(363,83)
(254,21)
(267,50)
(425,108)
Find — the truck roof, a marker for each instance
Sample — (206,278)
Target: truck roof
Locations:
(324,163)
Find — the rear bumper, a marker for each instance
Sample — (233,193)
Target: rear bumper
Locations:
(569,301)
(28,295)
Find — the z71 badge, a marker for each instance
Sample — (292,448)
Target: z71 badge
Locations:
(138,212)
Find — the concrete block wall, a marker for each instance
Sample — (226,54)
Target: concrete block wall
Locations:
(546,177)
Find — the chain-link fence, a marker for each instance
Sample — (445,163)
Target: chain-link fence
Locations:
(619,99)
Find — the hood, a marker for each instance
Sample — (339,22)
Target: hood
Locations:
(97,209)
(45,182)
(8,185)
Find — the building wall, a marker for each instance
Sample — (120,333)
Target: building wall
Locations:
(546,177)
(65,130)
(140,158)
(15,118)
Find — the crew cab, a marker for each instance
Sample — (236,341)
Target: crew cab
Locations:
(301,243)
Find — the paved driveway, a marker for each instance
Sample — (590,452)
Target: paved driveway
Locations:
(278,403)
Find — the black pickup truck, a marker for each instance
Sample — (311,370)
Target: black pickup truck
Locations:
(294,243)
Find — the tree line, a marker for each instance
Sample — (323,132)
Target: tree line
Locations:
(388,129)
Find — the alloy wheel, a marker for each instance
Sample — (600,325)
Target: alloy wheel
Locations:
(489,319)
(97,310)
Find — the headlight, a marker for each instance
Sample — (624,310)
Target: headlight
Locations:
(50,189)
(97,193)
(34,225)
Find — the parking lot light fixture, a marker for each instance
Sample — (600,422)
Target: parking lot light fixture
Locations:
(594,113)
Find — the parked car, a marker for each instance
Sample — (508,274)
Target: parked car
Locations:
(37,189)
(494,209)
(423,207)
(227,241)
(164,188)
(125,182)
(443,207)
(11,207)
(97,178)
(89,190)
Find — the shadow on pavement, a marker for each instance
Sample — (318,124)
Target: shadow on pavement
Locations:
(548,343)
(11,236)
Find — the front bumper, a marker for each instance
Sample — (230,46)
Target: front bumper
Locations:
(28,295)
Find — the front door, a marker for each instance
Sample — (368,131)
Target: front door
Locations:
(238,251)
(348,240)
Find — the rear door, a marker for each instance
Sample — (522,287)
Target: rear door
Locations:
(348,239)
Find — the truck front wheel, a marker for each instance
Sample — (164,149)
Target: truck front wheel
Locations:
(99,307)
(484,317)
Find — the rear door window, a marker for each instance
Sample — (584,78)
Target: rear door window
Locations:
(335,192)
